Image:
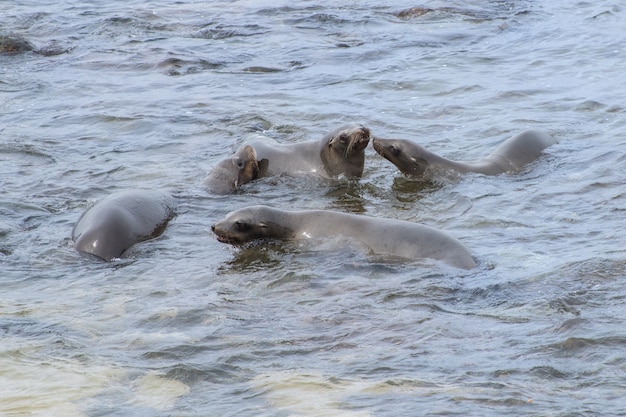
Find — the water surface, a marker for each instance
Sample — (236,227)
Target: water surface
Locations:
(151,95)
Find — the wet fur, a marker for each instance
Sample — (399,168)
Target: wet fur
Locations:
(341,152)
(381,236)
(413,160)
(118,221)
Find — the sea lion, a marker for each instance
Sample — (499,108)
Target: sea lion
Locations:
(381,236)
(517,151)
(234,171)
(120,220)
(341,152)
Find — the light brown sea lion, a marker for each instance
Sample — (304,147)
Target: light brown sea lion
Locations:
(120,220)
(234,171)
(341,152)
(381,236)
(413,160)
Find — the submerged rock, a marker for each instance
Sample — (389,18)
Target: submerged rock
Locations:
(15,44)
(10,43)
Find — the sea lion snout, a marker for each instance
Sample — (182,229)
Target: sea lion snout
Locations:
(385,147)
(357,140)
(364,138)
(377,145)
(365,132)
(232,230)
(222,234)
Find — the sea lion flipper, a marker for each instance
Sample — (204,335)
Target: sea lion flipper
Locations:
(263,165)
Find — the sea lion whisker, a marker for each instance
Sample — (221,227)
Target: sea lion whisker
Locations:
(348,150)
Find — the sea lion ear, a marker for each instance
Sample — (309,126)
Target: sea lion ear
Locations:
(263,165)
(419,165)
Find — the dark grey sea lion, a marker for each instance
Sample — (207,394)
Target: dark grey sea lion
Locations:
(381,236)
(120,220)
(413,160)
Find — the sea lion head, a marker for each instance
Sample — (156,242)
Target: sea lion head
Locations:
(247,165)
(104,233)
(106,244)
(251,223)
(234,171)
(343,150)
(410,158)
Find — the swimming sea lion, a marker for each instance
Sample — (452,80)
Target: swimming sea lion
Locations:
(234,171)
(341,152)
(120,220)
(413,160)
(381,236)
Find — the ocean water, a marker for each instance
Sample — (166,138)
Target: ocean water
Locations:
(150,95)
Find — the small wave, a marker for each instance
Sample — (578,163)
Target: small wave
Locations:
(261,70)
(500,11)
(178,66)
(24,154)
(442,13)
(221,32)
(548,372)
(577,345)
(189,373)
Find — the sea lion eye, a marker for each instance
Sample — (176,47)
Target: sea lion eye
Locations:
(239,163)
(343,137)
(242,227)
(394,151)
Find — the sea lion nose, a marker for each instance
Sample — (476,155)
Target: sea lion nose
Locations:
(213,228)
(376,145)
